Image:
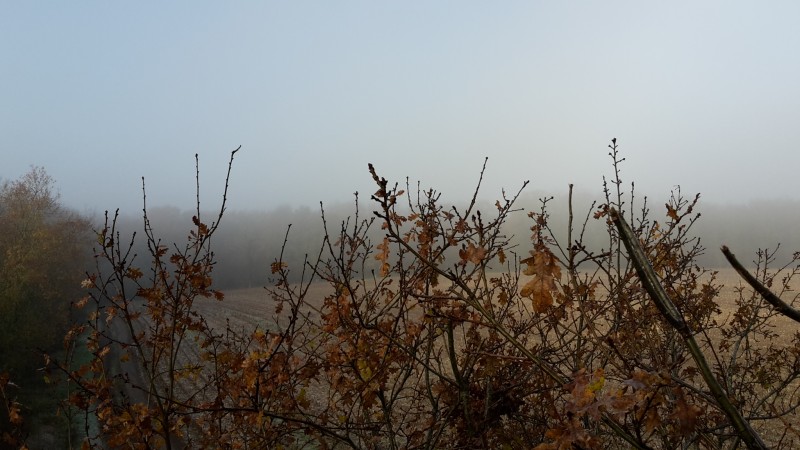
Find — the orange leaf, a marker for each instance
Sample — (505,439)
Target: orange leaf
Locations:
(542,266)
(686,414)
(652,420)
(14,416)
(672,213)
(277,266)
(383,256)
(472,254)
(537,290)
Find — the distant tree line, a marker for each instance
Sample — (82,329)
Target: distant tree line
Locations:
(251,240)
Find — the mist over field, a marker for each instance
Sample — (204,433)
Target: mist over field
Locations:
(250,240)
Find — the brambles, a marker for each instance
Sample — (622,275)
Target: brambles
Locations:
(422,326)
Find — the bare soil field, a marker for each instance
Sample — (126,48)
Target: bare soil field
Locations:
(731,283)
(255,307)
(250,307)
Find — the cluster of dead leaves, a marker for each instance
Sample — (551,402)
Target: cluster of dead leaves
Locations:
(646,398)
(545,272)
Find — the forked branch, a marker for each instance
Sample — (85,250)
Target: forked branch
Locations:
(668,309)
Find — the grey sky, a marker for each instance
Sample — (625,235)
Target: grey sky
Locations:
(102,93)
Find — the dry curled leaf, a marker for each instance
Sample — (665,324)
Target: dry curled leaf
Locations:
(544,270)
(472,253)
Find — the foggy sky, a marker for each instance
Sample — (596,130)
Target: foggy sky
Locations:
(699,94)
